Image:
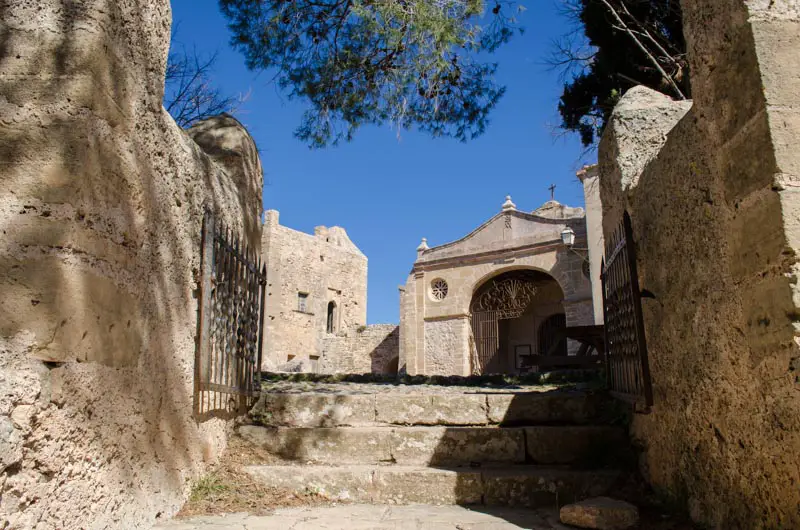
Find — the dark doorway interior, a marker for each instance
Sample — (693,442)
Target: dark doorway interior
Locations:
(513,315)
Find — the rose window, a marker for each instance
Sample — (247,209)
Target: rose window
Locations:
(439,289)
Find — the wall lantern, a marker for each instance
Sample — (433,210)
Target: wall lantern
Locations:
(568,236)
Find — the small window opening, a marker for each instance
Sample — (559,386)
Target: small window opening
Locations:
(331,327)
(302,302)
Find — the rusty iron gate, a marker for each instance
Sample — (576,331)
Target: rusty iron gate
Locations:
(486,337)
(232,291)
(626,348)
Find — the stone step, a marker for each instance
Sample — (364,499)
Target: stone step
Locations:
(524,486)
(588,446)
(317,409)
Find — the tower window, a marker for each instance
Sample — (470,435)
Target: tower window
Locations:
(302,302)
(331,326)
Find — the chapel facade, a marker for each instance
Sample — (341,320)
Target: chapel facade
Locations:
(481,304)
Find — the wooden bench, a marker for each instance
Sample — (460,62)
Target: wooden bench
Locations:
(592,340)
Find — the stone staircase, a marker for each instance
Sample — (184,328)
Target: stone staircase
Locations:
(469,447)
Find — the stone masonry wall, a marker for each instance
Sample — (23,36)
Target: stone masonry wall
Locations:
(595,242)
(101,202)
(326,266)
(445,342)
(713,193)
(363,350)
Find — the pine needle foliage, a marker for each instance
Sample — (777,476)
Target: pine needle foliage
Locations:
(409,63)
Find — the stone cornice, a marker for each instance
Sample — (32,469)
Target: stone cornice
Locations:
(491,255)
(446,317)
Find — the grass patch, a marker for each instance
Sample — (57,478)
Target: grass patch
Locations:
(227,488)
(207,487)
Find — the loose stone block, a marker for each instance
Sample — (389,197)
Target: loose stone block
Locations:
(315,410)
(457,409)
(601,513)
(326,445)
(457,445)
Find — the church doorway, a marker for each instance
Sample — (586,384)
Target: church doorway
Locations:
(514,315)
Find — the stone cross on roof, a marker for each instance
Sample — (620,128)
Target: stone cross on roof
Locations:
(552,189)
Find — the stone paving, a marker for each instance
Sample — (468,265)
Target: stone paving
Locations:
(369,517)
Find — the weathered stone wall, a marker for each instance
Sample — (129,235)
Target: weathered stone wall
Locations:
(327,267)
(101,201)
(362,350)
(714,199)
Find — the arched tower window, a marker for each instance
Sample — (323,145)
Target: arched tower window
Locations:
(331,327)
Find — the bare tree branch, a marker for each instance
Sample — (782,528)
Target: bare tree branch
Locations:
(190,95)
(668,78)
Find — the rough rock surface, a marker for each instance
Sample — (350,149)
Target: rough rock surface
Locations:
(601,513)
(643,119)
(101,202)
(636,133)
(716,220)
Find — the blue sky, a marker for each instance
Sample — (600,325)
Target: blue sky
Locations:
(389,193)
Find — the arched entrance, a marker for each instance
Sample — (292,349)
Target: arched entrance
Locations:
(513,315)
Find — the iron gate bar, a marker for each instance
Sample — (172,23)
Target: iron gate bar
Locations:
(626,348)
(232,299)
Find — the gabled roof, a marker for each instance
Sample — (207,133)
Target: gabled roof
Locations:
(511,229)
